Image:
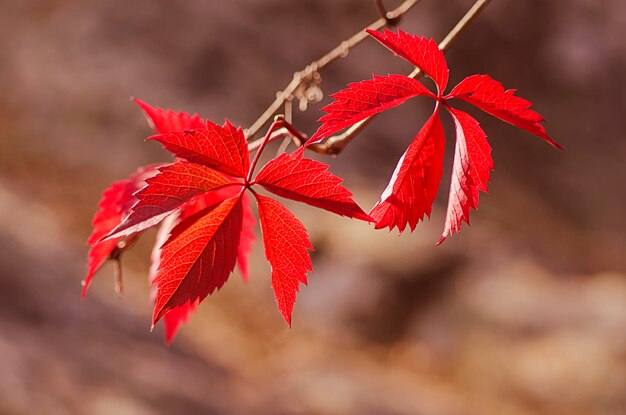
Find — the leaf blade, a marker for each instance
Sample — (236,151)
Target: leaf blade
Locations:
(415,181)
(420,51)
(363,99)
(173,186)
(167,121)
(178,315)
(223,148)
(286,248)
(298,178)
(246,239)
(489,95)
(471,171)
(114,206)
(198,257)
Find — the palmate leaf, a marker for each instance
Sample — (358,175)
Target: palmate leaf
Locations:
(206,220)
(415,182)
(120,198)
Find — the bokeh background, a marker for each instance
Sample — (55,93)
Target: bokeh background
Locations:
(523,313)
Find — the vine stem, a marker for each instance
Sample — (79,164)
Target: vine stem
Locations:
(335,144)
(340,51)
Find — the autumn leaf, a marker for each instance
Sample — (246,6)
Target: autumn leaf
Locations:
(420,51)
(167,121)
(219,147)
(115,205)
(118,200)
(179,315)
(247,237)
(198,257)
(168,190)
(286,248)
(415,182)
(470,172)
(295,177)
(490,96)
(208,225)
(364,99)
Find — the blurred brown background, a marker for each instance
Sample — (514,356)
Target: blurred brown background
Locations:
(523,313)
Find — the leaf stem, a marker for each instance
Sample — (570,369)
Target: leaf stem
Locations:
(279,122)
(339,51)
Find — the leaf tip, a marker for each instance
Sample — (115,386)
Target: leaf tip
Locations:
(156,316)
(364,217)
(83,293)
(169,339)
(287,317)
(557,146)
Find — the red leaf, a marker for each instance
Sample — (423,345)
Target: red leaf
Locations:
(364,99)
(420,51)
(247,230)
(298,178)
(175,185)
(286,248)
(247,237)
(114,206)
(173,319)
(489,95)
(176,317)
(168,121)
(198,257)
(179,315)
(471,171)
(223,148)
(414,184)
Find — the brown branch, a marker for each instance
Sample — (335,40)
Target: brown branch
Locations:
(335,144)
(307,74)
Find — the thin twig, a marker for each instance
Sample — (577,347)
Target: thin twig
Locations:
(308,72)
(117,276)
(279,121)
(335,144)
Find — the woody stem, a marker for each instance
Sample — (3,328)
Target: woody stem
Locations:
(339,51)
